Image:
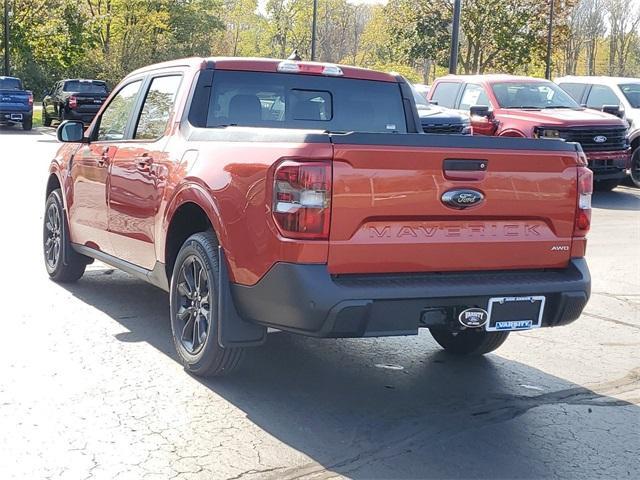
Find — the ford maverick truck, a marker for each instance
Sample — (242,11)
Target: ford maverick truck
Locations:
(304,197)
(512,106)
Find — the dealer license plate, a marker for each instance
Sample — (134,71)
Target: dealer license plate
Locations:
(514,313)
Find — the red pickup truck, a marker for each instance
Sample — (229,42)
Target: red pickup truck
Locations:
(513,106)
(304,197)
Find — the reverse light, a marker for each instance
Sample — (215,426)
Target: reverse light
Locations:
(583,210)
(302,199)
(73,102)
(289,66)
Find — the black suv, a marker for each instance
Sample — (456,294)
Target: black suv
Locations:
(73,99)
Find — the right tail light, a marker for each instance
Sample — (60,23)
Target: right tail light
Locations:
(73,102)
(302,199)
(583,210)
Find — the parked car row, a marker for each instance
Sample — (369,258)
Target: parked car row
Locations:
(306,197)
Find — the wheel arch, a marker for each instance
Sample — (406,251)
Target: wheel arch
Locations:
(513,133)
(191,210)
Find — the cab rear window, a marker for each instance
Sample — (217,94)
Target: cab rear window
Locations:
(10,84)
(283,100)
(79,86)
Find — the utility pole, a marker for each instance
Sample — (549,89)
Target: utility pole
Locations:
(455,37)
(313,30)
(6,37)
(547,73)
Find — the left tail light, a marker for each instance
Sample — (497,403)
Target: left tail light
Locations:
(583,210)
(73,102)
(302,199)
(30,100)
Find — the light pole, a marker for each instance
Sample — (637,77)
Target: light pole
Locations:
(547,73)
(313,30)
(6,37)
(455,36)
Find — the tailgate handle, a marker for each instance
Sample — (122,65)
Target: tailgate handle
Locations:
(459,169)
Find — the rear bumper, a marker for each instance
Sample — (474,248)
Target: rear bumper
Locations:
(609,165)
(14,116)
(306,299)
(84,117)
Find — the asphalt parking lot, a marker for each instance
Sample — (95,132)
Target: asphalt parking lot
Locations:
(90,387)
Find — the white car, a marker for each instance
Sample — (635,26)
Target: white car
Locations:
(596,92)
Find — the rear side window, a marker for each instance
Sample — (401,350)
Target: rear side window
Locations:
(83,86)
(473,95)
(157,107)
(303,101)
(575,90)
(10,84)
(601,95)
(445,93)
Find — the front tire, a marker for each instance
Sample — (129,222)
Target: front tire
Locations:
(635,168)
(63,264)
(194,309)
(469,342)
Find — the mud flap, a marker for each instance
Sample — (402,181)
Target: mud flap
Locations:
(233,330)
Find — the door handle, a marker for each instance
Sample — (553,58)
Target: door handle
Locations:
(104,157)
(144,162)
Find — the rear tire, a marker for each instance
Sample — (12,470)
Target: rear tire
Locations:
(194,309)
(468,342)
(63,264)
(27,124)
(605,185)
(46,121)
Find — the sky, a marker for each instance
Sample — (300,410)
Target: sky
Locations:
(263,3)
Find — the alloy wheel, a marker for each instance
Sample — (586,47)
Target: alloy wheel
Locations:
(53,235)
(194,307)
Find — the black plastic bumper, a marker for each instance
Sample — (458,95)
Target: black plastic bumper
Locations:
(306,299)
(6,117)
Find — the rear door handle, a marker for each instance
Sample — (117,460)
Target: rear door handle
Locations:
(464,169)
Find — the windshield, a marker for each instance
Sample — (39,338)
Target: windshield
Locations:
(10,84)
(532,95)
(79,86)
(279,100)
(632,92)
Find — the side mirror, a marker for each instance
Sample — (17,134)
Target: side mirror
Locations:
(71,131)
(481,111)
(613,110)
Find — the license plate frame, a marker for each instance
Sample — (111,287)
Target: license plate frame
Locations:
(529,318)
(16,117)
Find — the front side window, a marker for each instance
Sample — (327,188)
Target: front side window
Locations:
(282,100)
(632,92)
(532,94)
(473,95)
(113,122)
(446,93)
(601,95)
(157,107)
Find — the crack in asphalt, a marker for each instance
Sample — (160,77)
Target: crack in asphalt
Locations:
(612,320)
(507,410)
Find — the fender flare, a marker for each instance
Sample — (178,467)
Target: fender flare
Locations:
(513,133)
(198,194)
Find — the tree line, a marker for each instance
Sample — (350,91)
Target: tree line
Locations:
(106,39)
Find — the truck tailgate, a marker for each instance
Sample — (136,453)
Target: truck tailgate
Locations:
(388,214)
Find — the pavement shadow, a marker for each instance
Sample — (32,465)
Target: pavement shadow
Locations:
(622,198)
(399,407)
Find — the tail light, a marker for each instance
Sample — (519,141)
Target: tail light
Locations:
(30,100)
(583,211)
(73,102)
(302,199)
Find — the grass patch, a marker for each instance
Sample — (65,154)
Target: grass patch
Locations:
(37,117)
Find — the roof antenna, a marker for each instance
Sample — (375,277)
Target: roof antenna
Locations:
(294,56)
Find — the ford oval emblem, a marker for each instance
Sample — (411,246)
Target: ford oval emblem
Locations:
(473,317)
(461,199)
(599,139)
